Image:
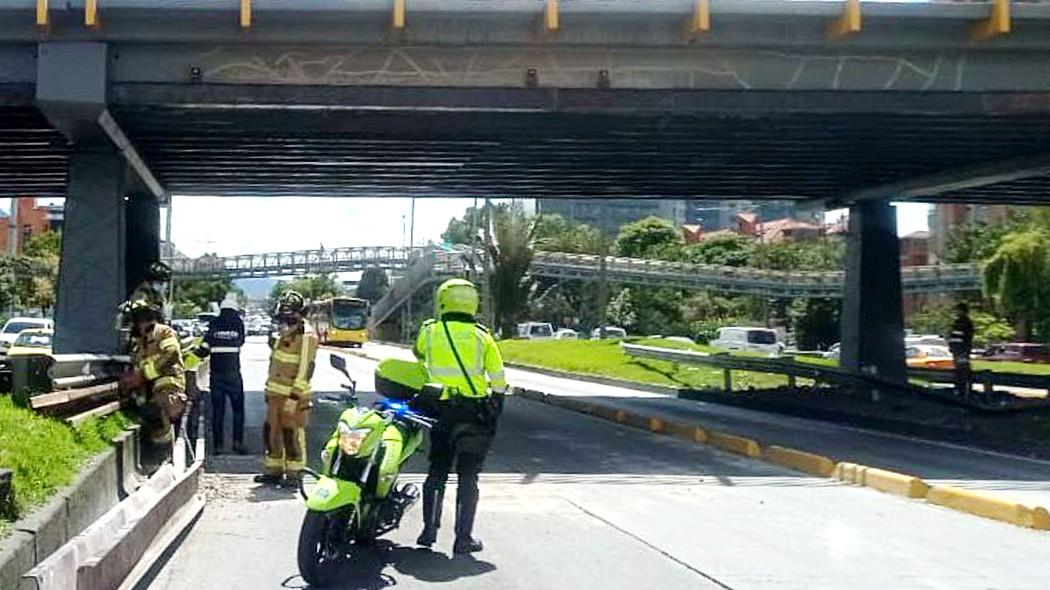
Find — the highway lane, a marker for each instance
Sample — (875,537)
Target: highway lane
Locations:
(571,501)
(1022,478)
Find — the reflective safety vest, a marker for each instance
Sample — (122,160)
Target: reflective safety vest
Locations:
(189,353)
(477,350)
(292,364)
(158,355)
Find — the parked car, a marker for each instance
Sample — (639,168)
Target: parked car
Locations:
(610,332)
(566,334)
(681,339)
(736,338)
(15,326)
(834,351)
(925,339)
(31,341)
(928,356)
(1022,352)
(535,330)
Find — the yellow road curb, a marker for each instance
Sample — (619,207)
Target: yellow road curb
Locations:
(799,460)
(988,506)
(890,482)
(734,444)
(959,499)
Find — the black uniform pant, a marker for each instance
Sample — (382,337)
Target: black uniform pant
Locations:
(460,440)
(227,385)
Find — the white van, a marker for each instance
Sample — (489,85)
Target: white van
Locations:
(749,340)
(535,331)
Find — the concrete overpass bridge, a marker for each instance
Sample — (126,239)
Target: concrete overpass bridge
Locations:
(120,103)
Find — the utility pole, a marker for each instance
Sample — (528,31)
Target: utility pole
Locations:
(12,244)
(407,330)
(490,307)
(603,286)
(12,228)
(171,249)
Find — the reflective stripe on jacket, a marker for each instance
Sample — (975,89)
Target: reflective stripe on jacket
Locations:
(477,350)
(189,355)
(158,355)
(292,364)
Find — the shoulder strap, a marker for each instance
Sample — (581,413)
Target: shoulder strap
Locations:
(459,361)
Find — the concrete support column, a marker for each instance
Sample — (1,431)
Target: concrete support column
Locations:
(143,238)
(872,308)
(92,276)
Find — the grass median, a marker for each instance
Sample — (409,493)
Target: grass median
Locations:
(45,454)
(605,358)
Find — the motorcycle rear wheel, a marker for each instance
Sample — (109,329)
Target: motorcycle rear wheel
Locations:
(318,553)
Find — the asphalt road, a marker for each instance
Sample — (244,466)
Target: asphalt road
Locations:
(574,502)
(1022,478)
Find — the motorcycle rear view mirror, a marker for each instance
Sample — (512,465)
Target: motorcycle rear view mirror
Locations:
(339,364)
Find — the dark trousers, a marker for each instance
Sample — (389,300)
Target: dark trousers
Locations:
(227,385)
(462,443)
(193,412)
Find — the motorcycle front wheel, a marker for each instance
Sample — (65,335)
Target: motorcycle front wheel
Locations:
(319,547)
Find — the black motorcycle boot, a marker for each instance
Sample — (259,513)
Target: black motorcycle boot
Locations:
(466,508)
(432,501)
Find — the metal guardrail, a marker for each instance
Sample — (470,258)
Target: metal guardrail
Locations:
(75,387)
(990,401)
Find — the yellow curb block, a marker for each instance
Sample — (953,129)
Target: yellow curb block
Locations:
(656,425)
(636,420)
(890,482)
(686,432)
(734,444)
(1041,518)
(983,504)
(799,460)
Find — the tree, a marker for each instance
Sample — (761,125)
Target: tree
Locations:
(465,230)
(192,296)
(1016,277)
(651,237)
(554,233)
(511,255)
(731,250)
(373,285)
(312,288)
(621,310)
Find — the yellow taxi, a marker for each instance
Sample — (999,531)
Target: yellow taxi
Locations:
(928,356)
(35,341)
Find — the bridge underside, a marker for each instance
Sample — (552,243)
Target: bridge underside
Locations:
(491,99)
(273,140)
(539,144)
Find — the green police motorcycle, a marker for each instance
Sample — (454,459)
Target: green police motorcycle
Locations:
(355,498)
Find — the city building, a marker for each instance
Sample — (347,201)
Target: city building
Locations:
(915,249)
(29,219)
(608,215)
(946,217)
(714,215)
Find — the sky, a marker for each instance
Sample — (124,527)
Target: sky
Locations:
(227,226)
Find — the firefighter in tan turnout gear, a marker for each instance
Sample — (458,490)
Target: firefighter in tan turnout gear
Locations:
(288,394)
(158,369)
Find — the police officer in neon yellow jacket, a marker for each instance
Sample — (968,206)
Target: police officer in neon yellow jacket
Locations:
(460,354)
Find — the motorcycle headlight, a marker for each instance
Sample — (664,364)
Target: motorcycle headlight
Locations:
(351,439)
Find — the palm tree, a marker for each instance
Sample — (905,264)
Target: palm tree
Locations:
(511,255)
